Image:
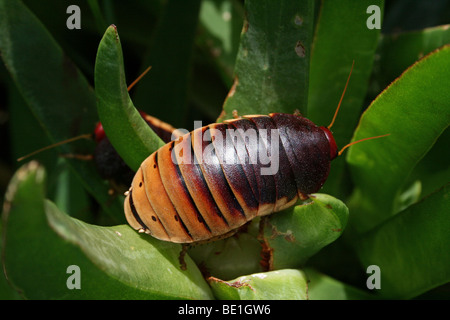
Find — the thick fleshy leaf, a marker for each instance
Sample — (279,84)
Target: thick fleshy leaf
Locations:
(291,237)
(114,262)
(296,234)
(130,135)
(415,110)
(396,52)
(230,258)
(341,37)
(55,90)
(286,284)
(272,65)
(412,248)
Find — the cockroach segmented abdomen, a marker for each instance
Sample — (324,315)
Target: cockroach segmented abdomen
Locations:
(210,182)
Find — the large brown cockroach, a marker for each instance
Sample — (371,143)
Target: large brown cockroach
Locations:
(208,183)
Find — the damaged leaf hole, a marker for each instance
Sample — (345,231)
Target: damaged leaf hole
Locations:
(288,235)
(226,16)
(235,284)
(300,49)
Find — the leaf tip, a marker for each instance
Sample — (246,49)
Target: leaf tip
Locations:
(113,28)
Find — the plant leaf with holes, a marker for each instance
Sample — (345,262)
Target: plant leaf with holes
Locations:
(272,65)
(294,235)
(291,237)
(286,284)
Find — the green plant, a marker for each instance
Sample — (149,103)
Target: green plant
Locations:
(289,56)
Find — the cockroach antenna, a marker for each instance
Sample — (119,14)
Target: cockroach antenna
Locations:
(82,136)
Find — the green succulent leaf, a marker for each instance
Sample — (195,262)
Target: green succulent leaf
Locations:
(291,237)
(231,257)
(286,284)
(54,89)
(272,65)
(415,111)
(128,132)
(113,262)
(296,234)
(411,248)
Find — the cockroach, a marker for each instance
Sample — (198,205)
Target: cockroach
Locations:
(208,183)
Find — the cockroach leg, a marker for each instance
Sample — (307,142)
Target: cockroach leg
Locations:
(262,225)
(184,249)
(266,261)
